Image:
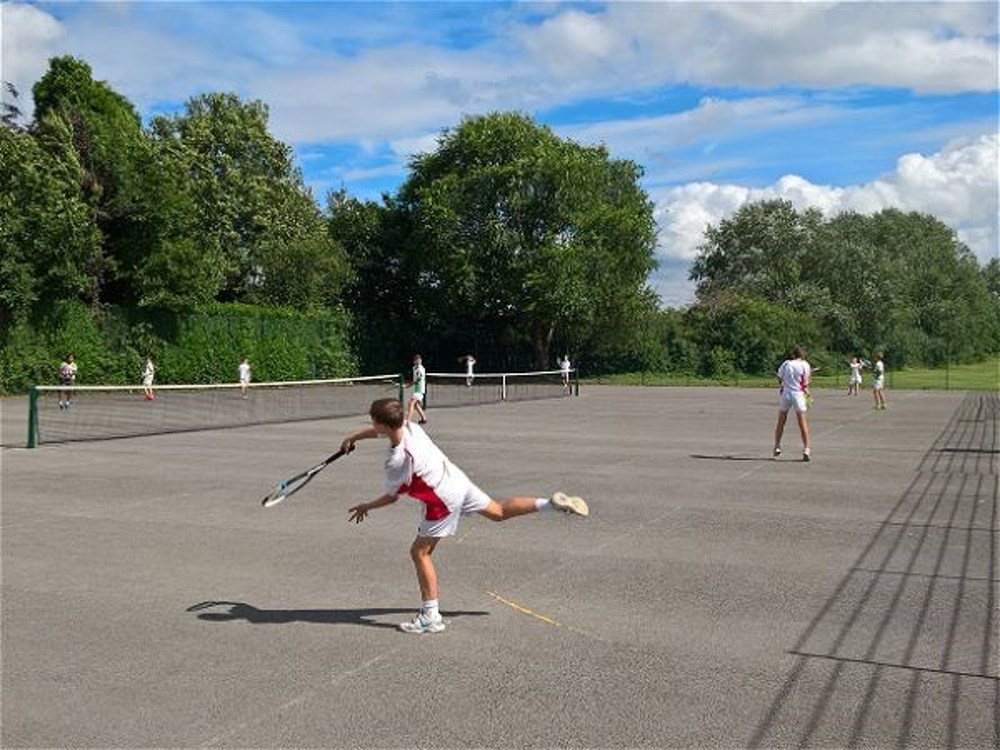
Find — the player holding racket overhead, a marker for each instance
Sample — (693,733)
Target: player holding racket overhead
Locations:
(415,466)
(793,377)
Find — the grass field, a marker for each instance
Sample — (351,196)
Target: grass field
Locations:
(981,376)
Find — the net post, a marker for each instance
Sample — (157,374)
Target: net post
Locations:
(503,387)
(33,417)
(576,382)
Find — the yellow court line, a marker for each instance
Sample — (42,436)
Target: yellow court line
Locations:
(524,610)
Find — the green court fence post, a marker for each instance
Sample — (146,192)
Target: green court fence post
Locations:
(576,381)
(33,417)
(402,386)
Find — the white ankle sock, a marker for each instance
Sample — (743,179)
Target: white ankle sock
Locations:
(542,503)
(430,607)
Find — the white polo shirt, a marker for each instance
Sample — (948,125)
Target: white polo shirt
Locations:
(416,467)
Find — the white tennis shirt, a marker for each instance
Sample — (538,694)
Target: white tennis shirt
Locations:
(416,467)
(794,375)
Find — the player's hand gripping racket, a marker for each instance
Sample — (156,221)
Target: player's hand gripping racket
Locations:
(291,486)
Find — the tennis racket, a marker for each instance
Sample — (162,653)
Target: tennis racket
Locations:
(291,486)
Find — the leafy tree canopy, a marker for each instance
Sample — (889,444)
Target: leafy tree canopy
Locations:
(537,238)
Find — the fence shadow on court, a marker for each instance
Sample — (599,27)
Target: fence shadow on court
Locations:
(221,611)
(904,652)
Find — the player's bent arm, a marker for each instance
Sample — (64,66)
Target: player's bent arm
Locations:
(347,445)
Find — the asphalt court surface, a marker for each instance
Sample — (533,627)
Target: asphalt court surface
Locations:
(714,598)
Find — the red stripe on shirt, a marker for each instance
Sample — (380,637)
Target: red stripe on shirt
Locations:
(420,490)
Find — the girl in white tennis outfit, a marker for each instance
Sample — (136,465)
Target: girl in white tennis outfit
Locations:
(415,466)
(244,371)
(793,377)
(148,373)
(854,381)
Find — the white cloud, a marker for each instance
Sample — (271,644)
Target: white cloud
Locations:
(958,185)
(649,139)
(27,37)
(926,47)
(395,87)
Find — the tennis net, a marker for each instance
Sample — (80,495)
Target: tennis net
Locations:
(103,412)
(457,389)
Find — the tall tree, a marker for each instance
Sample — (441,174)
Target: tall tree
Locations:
(49,243)
(258,221)
(893,280)
(535,237)
(108,140)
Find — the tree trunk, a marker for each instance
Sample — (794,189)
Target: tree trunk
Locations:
(541,340)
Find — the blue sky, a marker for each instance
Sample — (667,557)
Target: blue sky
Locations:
(843,106)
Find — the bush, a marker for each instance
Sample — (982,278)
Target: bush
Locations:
(204,347)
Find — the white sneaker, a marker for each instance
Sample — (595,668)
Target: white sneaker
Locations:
(570,504)
(777,452)
(806,455)
(423,623)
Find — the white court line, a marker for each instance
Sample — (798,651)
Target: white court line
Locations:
(262,717)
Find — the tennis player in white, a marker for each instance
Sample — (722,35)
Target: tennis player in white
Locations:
(419,382)
(793,377)
(470,365)
(878,384)
(148,374)
(245,375)
(854,381)
(416,467)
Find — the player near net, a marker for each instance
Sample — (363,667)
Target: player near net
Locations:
(564,369)
(419,383)
(67,379)
(415,466)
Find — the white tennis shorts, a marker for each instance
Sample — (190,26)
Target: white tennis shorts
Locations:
(793,400)
(879,384)
(417,397)
(462,497)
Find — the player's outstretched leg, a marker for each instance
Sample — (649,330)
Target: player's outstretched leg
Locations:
(503,510)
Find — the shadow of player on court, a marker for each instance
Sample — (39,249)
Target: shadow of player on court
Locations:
(730,457)
(232,611)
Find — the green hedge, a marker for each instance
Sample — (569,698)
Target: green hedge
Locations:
(202,347)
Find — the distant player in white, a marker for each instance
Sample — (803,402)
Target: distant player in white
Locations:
(470,364)
(564,368)
(415,466)
(148,374)
(244,370)
(854,379)
(419,382)
(67,379)
(878,384)
(793,379)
